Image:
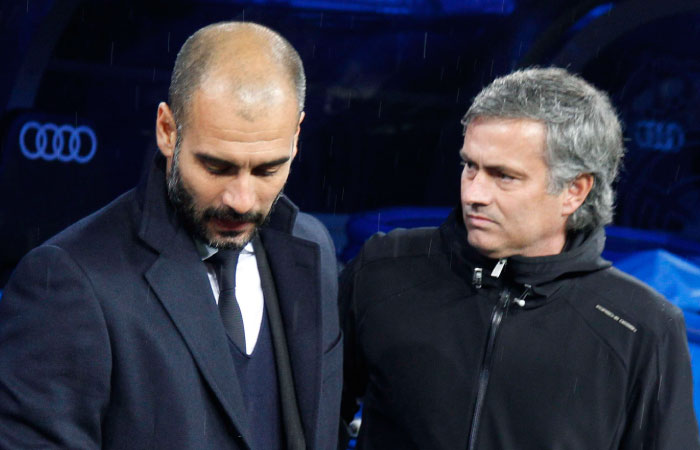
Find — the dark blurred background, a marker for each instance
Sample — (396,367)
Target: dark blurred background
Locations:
(388,81)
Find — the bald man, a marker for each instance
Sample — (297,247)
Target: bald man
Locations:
(197,311)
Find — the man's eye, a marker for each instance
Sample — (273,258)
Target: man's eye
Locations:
(505,177)
(266,172)
(469,168)
(215,170)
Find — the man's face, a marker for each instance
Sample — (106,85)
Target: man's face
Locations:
(506,207)
(229,171)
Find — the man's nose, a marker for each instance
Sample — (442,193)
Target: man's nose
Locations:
(476,190)
(239,194)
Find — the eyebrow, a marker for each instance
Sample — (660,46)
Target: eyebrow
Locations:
(497,167)
(218,161)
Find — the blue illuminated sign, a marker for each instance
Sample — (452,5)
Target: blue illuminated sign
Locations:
(48,142)
(660,136)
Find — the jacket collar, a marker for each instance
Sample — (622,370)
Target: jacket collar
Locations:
(543,273)
(159,222)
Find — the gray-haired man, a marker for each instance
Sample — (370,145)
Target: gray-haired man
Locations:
(504,328)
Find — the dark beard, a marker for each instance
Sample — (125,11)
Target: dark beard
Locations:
(195,220)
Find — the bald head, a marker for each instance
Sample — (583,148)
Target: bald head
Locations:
(250,64)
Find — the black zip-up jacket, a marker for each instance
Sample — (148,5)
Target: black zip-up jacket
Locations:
(556,352)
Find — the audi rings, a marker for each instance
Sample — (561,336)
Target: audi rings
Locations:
(49,142)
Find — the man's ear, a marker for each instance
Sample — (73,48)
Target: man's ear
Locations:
(576,193)
(166,131)
(296,135)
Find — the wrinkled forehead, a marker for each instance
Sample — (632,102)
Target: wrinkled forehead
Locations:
(508,132)
(516,144)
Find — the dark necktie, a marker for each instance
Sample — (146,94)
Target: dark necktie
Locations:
(228,305)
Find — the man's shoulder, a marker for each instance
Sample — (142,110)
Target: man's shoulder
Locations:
(399,259)
(399,246)
(97,247)
(112,222)
(401,243)
(310,228)
(628,300)
(287,219)
(96,242)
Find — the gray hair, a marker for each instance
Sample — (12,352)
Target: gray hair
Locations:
(584,134)
(198,54)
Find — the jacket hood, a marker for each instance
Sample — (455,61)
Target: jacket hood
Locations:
(542,273)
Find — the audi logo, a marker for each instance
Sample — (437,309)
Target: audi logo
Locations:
(662,136)
(49,142)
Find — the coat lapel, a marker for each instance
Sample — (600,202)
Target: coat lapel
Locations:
(294,264)
(180,281)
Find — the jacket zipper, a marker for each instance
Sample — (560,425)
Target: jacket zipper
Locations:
(496,319)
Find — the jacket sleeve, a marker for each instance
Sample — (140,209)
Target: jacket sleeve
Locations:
(55,358)
(661,415)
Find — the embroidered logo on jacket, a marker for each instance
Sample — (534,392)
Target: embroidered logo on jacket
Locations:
(616,318)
